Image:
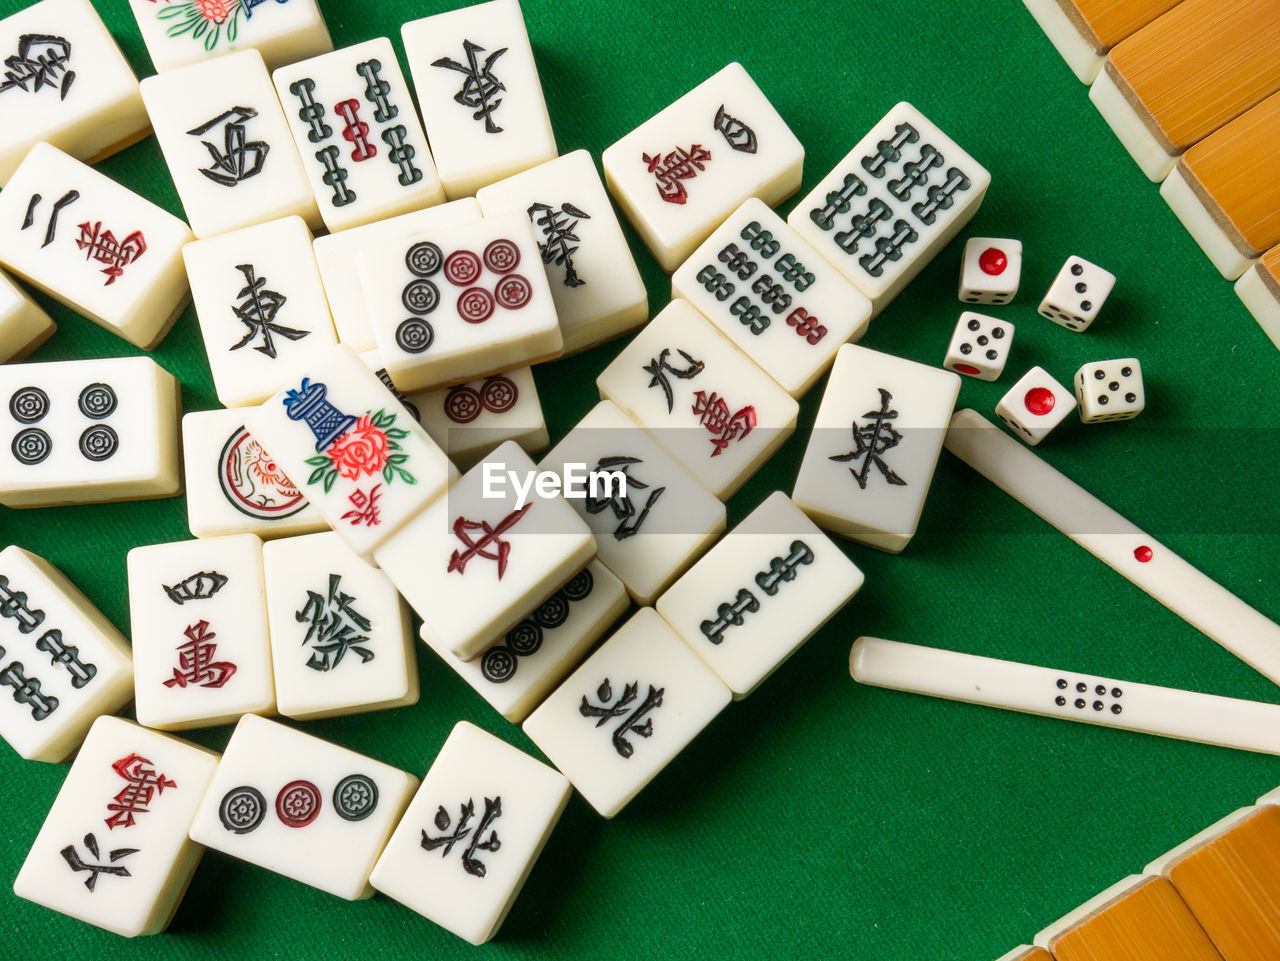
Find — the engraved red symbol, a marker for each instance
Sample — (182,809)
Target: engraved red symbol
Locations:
(498,394)
(195,660)
(669,170)
(502,256)
(461,268)
(297,804)
(513,291)
(142,784)
(102,246)
(1039,400)
(726,427)
(356,131)
(252,482)
(475,305)
(489,542)
(364,507)
(993,261)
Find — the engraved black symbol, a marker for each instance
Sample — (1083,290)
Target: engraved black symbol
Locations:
(559,238)
(26,690)
(376,90)
(28,405)
(863,226)
(51,643)
(470,863)
(401,154)
(335,176)
(97,401)
(240,158)
(257,310)
(941,197)
(872,441)
(14,604)
(334,627)
(197,587)
(889,151)
(98,442)
(915,173)
(399,395)
(242,809)
(783,569)
(606,711)
(499,663)
(424,258)
(838,202)
(78,864)
(39,61)
(31,446)
(480,89)
(311,113)
(730,615)
(659,368)
(414,336)
(51,230)
(739,136)
(1086,699)
(355,797)
(619,502)
(420,296)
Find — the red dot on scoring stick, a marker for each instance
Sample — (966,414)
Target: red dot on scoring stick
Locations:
(965,369)
(993,261)
(1143,554)
(1039,400)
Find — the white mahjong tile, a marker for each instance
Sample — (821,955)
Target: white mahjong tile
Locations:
(449,304)
(650,518)
(233,486)
(24,326)
(773,295)
(359,457)
(179,32)
(88,431)
(493,552)
(703,400)
(893,202)
(875,444)
(679,174)
(65,82)
(198,609)
(478,88)
(594,281)
(627,712)
(62,663)
(336,257)
(469,420)
(760,593)
(227,144)
(96,246)
(261,306)
(472,833)
(361,144)
(517,671)
(302,807)
(113,850)
(340,633)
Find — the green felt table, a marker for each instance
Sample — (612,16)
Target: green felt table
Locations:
(818,818)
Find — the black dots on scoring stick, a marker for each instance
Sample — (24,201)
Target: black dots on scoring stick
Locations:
(1097,703)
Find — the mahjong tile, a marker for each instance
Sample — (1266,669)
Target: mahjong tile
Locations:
(594,281)
(469,420)
(24,325)
(179,32)
(361,144)
(94,245)
(703,400)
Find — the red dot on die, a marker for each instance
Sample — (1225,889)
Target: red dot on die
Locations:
(1142,554)
(993,261)
(965,369)
(1039,400)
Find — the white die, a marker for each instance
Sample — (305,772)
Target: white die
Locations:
(493,559)
(357,132)
(234,486)
(594,281)
(94,245)
(760,593)
(302,807)
(1076,294)
(516,671)
(703,400)
(451,304)
(65,83)
(990,270)
(1035,405)
(62,662)
(340,634)
(336,256)
(198,611)
(356,452)
(470,420)
(261,307)
(980,346)
(113,851)
(792,311)
(227,144)
(893,202)
(24,326)
(875,444)
(472,833)
(88,431)
(1110,390)
(478,88)
(184,32)
(627,712)
(650,533)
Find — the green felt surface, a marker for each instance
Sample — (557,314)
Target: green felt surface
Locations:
(817,818)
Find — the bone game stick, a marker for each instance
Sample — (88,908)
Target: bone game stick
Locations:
(1115,541)
(1146,708)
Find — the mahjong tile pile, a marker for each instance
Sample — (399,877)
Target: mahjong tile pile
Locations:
(574,480)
